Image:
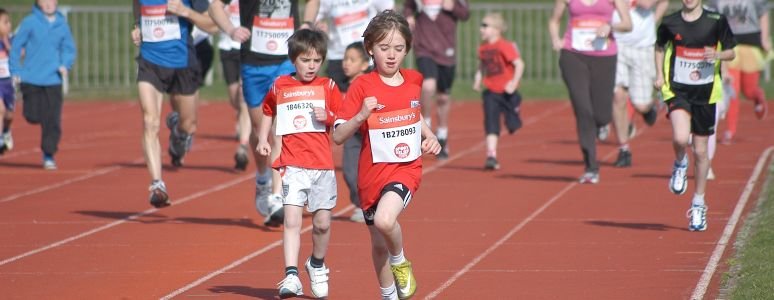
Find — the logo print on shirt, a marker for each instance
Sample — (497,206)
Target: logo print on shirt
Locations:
(380,106)
(402,150)
(678,37)
(299,122)
(414,103)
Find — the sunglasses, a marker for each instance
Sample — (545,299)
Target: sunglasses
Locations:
(484,25)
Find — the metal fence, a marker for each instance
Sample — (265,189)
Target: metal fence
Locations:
(106,53)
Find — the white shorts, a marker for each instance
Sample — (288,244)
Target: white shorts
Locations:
(636,71)
(315,189)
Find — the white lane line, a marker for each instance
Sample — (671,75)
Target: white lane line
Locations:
(278,243)
(127,219)
(728,231)
(83,177)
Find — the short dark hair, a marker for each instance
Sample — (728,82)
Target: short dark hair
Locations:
(3,11)
(304,40)
(381,25)
(358,46)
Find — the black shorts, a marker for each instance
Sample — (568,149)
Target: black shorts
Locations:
(401,189)
(444,75)
(497,104)
(230,61)
(335,71)
(204,55)
(702,115)
(183,81)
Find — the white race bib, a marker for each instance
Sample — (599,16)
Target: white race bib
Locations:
(350,26)
(5,69)
(270,36)
(584,35)
(395,136)
(691,68)
(157,25)
(294,109)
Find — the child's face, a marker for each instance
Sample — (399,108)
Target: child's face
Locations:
(691,4)
(389,53)
(307,65)
(47,6)
(488,30)
(5,25)
(354,63)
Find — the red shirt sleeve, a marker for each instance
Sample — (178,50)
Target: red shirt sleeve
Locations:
(333,102)
(510,51)
(270,102)
(352,102)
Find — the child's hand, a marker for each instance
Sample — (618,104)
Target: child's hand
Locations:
(477,85)
(136,36)
(369,104)
(430,145)
(263,148)
(710,54)
(320,114)
(239,34)
(558,44)
(511,86)
(63,71)
(659,82)
(178,8)
(447,5)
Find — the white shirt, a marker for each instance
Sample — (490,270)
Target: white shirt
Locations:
(347,19)
(643,32)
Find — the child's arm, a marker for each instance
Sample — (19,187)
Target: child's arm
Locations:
(200,20)
(310,13)
(477,79)
(19,42)
(513,84)
(659,68)
(269,109)
(345,130)
(765,38)
(622,6)
(218,14)
(68,51)
(430,143)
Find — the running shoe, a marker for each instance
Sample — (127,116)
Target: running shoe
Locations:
(491,164)
(761,109)
(241,158)
(276,211)
(603,132)
(357,216)
(697,215)
(678,183)
(290,287)
(444,154)
(589,177)
(318,278)
(624,159)
(49,164)
(8,140)
(405,282)
(158,194)
(262,192)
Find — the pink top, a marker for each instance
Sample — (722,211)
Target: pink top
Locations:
(582,25)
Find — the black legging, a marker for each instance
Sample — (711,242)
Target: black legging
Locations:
(590,81)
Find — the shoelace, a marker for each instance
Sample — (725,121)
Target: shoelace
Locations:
(698,210)
(319,275)
(401,275)
(158,185)
(288,279)
(679,171)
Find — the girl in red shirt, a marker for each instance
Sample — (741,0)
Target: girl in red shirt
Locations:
(384,107)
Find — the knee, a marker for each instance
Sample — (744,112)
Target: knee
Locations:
(151,123)
(680,140)
(443,99)
(384,223)
(321,227)
(700,153)
(428,86)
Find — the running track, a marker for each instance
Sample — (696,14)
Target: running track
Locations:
(527,231)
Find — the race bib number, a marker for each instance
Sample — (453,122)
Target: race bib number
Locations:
(431,8)
(270,36)
(5,70)
(295,112)
(350,26)
(157,25)
(691,68)
(395,136)
(584,35)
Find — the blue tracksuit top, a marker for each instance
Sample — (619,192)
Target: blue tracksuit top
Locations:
(47,46)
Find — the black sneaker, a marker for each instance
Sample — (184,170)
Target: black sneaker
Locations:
(491,164)
(624,159)
(650,116)
(158,194)
(444,154)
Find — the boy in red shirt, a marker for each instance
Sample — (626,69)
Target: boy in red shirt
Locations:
(304,106)
(384,106)
(501,67)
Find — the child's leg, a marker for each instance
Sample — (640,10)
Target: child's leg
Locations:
(51,121)
(380,257)
(321,233)
(620,116)
(150,103)
(681,131)
(491,145)
(386,221)
(291,235)
(492,113)
(701,162)
(732,114)
(3,112)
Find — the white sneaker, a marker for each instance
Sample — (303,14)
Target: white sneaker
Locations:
(603,132)
(357,216)
(290,287)
(710,174)
(262,192)
(276,211)
(697,215)
(678,184)
(8,139)
(318,278)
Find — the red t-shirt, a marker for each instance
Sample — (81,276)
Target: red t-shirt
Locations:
(373,177)
(311,150)
(497,63)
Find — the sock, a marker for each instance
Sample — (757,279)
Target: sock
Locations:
(442,133)
(625,147)
(316,262)
(291,270)
(397,259)
(389,293)
(262,179)
(491,153)
(698,200)
(683,161)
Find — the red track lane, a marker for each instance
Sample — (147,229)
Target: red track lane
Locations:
(467,231)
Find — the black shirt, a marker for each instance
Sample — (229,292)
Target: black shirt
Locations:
(270,9)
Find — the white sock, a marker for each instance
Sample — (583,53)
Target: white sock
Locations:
(698,200)
(442,133)
(261,179)
(389,293)
(397,259)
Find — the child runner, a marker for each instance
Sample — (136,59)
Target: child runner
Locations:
(501,67)
(385,107)
(264,27)
(167,64)
(49,53)
(689,47)
(355,63)
(304,105)
(7,91)
(229,60)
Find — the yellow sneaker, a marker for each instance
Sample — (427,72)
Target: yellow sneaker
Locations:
(404,280)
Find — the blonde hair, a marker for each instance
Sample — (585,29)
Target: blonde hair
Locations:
(497,21)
